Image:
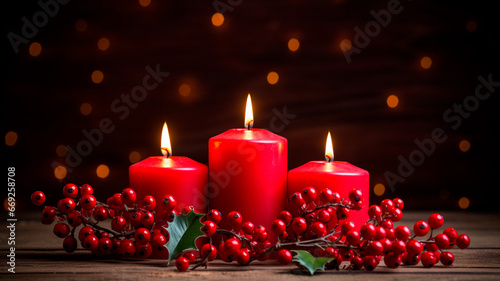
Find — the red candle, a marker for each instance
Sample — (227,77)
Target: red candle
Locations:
(339,176)
(181,177)
(247,173)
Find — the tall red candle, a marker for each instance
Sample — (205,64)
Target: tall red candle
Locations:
(248,173)
(339,176)
(179,176)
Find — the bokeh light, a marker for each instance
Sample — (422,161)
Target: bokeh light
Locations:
(97,76)
(81,25)
(134,157)
(61,150)
(345,45)
(85,108)
(103,44)
(379,189)
(217,19)
(35,49)
(184,90)
(60,172)
(272,77)
(392,101)
(293,44)
(144,3)
(464,203)
(102,171)
(425,62)
(464,145)
(11,138)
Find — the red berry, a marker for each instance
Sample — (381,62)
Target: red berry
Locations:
(299,225)
(435,221)
(248,228)
(190,256)
(91,242)
(66,205)
(353,237)
(392,260)
(396,215)
(142,236)
(375,248)
(374,212)
(355,195)
(117,200)
(69,244)
(86,189)
(61,230)
(324,216)
(84,232)
(127,247)
(118,223)
(135,218)
(100,213)
(356,262)
(296,201)
(70,190)
(343,213)
(309,194)
(128,196)
(232,245)
(370,263)
(187,209)
(428,259)
(326,195)
(318,229)
(447,258)
(278,227)
(421,228)
(451,233)
(442,241)
(208,250)
(387,205)
(380,233)
(209,228)
(398,247)
(158,241)
(284,256)
(143,250)
(398,203)
(260,233)
(105,244)
(147,219)
(413,247)
(285,216)
(368,231)
(149,203)
(214,215)
(463,241)
(182,264)
(402,232)
(347,226)
(234,218)
(49,212)
(243,256)
(168,203)
(88,202)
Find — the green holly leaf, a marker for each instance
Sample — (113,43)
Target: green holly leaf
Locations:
(309,261)
(184,231)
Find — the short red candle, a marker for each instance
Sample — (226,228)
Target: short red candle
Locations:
(339,176)
(247,173)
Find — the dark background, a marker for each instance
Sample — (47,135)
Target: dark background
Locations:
(42,95)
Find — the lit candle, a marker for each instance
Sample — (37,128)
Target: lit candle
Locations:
(339,176)
(179,176)
(247,173)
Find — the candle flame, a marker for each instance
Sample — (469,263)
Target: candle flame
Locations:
(329,148)
(166,147)
(249,114)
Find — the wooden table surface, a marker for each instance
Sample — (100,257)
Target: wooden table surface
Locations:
(39,256)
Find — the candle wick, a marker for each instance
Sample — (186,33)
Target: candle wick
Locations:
(328,158)
(249,125)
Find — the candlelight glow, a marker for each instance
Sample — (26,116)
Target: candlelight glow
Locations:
(329,148)
(249,114)
(166,148)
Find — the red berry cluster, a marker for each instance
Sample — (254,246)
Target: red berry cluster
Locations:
(317,222)
(134,229)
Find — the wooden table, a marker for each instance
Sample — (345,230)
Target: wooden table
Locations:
(38,256)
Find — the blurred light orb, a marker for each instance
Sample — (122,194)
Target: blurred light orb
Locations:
(10,138)
(134,157)
(97,76)
(103,44)
(379,189)
(35,49)
(464,145)
(425,62)
(464,203)
(345,45)
(392,101)
(60,172)
(81,25)
(102,171)
(85,108)
(144,3)
(293,44)
(272,77)
(61,150)
(184,90)
(217,19)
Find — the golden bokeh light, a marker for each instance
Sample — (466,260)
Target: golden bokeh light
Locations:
(60,172)
(272,77)
(85,108)
(81,25)
(464,203)
(134,157)
(425,62)
(103,44)
(11,138)
(61,150)
(293,44)
(35,49)
(379,189)
(217,19)
(102,171)
(345,45)
(184,90)
(97,76)
(464,145)
(144,3)
(392,101)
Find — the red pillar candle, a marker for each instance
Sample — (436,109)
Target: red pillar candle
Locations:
(339,176)
(248,173)
(179,176)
